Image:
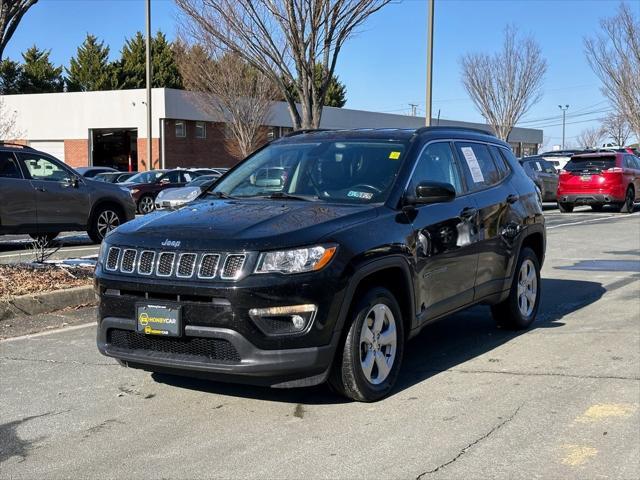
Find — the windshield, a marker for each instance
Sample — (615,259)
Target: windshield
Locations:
(145,177)
(344,171)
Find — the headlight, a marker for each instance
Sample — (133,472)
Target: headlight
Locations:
(295,261)
(134,190)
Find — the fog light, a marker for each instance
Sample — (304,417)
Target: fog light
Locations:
(284,320)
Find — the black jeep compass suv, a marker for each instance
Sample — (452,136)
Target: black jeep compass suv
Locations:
(320,255)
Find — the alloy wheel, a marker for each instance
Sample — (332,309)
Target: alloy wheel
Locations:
(527,288)
(107,221)
(378,344)
(146,204)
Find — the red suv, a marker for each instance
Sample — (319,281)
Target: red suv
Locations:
(600,178)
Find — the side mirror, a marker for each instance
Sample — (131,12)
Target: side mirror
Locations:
(72,182)
(433,192)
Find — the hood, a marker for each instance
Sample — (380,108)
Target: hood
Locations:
(241,224)
(178,193)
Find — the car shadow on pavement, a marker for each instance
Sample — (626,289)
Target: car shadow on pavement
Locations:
(439,347)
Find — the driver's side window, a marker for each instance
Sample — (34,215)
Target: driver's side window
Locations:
(43,168)
(436,164)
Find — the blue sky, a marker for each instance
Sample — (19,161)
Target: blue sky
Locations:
(383,66)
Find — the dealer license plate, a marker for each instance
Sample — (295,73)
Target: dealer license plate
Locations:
(159,319)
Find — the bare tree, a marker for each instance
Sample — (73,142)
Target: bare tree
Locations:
(225,86)
(590,137)
(617,128)
(8,128)
(11,12)
(614,56)
(504,86)
(284,39)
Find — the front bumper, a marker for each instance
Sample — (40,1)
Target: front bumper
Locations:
(277,368)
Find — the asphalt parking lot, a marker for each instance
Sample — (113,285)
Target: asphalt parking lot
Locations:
(558,401)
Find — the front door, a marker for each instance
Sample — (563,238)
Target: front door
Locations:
(445,236)
(60,201)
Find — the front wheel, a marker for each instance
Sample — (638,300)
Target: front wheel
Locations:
(146,204)
(104,220)
(366,367)
(627,206)
(519,310)
(565,207)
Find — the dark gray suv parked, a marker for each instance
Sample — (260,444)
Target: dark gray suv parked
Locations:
(42,197)
(544,175)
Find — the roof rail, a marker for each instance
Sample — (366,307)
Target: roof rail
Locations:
(464,129)
(306,130)
(11,144)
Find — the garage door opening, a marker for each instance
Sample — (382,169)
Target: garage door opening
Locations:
(116,148)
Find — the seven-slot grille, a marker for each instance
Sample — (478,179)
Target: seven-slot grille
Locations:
(206,266)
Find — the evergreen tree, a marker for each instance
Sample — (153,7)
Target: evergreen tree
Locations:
(132,73)
(10,77)
(90,69)
(38,73)
(336,95)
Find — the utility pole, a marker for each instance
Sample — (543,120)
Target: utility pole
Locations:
(148,68)
(430,9)
(413,106)
(564,116)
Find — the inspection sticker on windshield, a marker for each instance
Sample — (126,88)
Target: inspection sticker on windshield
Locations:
(362,195)
(394,155)
(474,166)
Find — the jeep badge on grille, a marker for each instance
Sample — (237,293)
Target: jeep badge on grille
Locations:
(171,243)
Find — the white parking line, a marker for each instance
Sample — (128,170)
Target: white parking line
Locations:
(591,220)
(49,332)
(62,250)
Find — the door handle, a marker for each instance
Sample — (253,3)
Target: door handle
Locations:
(40,189)
(468,213)
(513,198)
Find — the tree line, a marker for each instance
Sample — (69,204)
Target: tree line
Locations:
(90,69)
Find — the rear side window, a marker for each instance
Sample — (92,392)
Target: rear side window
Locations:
(630,162)
(478,165)
(590,164)
(500,161)
(9,166)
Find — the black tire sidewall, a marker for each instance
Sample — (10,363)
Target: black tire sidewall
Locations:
(353,379)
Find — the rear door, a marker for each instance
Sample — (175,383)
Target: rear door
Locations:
(17,196)
(488,181)
(59,203)
(445,235)
(632,169)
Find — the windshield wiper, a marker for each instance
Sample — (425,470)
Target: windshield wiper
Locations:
(220,195)
(287,196)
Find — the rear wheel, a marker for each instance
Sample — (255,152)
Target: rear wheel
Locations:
(519,310)
(366,367)
(597,207)
(104,220)
(565,207)
(627,206)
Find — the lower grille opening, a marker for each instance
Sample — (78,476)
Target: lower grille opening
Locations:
(190,348)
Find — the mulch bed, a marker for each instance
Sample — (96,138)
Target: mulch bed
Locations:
(25,279)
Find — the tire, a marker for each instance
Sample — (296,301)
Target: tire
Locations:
(519,310)
(146,204)
(104,220)
(47,236)
(565,207)
(350,377)
(627,206)
(597,207)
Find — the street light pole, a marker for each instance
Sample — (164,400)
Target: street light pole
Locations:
(148,79)
(564,116)
(430,9)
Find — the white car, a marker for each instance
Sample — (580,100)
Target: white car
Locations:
(172,198)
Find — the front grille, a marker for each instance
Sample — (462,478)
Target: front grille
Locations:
(112,258)
(128,260)
(204,266)
(233,267)
(190,348)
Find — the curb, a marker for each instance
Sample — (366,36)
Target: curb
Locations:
(35,303)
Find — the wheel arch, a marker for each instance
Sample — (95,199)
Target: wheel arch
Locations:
(104,202)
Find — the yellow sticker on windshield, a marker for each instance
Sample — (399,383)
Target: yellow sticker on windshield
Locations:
(394,155)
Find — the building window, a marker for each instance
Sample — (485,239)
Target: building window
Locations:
(201,130)
(181,129)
